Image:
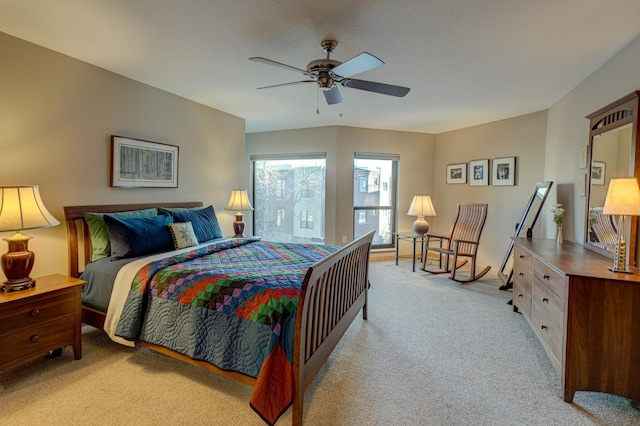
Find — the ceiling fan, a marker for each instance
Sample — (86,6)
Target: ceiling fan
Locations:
(328,74)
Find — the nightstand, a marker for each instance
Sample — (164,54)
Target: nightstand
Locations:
(43,318)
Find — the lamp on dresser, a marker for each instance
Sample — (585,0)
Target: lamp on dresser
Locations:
(239,201)
(421,206)
(623,199)
(21,208)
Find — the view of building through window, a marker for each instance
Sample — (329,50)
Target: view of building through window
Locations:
(374,199)
(289,199)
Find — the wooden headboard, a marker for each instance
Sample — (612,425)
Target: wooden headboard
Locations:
(78,231)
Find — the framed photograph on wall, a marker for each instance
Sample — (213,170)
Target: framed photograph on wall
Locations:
(598,171)
(457,173)
(478,172)
(504,171)
(142,164)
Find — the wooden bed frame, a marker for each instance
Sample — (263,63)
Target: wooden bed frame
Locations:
(334,290)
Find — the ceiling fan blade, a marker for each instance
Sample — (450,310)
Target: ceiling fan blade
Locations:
(361,63)
(287,84)
(371,86)
(278,64)
(333,95)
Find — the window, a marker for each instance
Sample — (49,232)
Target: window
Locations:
(374,198)
(306,220)
(362,217)
(289,197)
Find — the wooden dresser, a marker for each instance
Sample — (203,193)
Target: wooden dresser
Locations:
(586,317)
(44,318)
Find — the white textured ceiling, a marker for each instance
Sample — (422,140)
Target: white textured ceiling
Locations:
(466,61)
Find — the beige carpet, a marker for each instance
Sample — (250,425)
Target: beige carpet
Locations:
(433,352)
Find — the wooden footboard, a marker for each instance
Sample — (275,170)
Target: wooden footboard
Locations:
(333,292)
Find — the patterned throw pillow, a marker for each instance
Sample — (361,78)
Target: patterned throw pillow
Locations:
(183,235)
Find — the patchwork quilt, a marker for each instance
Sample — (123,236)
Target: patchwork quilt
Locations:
(233,304)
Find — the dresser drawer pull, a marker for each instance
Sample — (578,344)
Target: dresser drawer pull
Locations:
(35,312)
(545,300)
(521,274)
(545,276)
(35,338)
(543,327)
(521,256)
(520,295)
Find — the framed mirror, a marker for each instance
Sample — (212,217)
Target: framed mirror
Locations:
(524,227)
(612,153)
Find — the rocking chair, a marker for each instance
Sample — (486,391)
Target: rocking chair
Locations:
(462,241)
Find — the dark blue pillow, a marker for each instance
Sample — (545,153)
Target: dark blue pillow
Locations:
(204,221)
(138,236)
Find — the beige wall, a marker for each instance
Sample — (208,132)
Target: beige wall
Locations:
(568,130)
(56,115)
(521,137)
(416,151)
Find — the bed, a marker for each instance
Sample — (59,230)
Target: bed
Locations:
(325,291)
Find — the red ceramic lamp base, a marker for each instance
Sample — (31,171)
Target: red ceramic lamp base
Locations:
(17,264)
(238,226)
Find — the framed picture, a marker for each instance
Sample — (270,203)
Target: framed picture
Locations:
(598,170)
(504,171)
(142,164)
(457,173)
(581,184)
(478,172)
(583,157)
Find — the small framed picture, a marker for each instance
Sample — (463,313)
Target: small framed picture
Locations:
(581,184)
(478,172)
(583,157)
(598,171)
(504,171)
(457,173)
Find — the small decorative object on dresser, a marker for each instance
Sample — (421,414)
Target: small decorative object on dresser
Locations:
(21,208)
(41,319)
(239,201)
(558,219)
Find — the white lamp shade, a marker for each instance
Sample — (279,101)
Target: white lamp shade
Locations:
(239,200)
(623,198)
(22,208)
(421,206)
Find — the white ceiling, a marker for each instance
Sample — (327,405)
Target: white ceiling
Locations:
(466,61)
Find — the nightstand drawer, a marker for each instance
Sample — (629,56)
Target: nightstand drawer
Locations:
(39,338)
(28,313)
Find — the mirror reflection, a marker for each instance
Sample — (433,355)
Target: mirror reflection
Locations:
(610,159)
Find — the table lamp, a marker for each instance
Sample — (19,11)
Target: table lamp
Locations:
(21,208)
(421,206)
(623,199)
(239,202)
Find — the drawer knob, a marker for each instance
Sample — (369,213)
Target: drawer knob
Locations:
(543,327)
(35,338)
(545,276)
(520,295)
(35,312)
(545,300)
(521,274)
(521,256)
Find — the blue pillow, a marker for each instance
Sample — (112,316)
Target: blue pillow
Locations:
(138,236)
(204,221)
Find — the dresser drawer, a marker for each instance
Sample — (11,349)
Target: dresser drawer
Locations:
(551,278)
(522,298)
(551,307)
(549,333)
(523,261)
(39,338)
(26,314)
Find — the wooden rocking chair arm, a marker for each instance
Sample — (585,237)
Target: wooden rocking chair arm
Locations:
(466,242)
